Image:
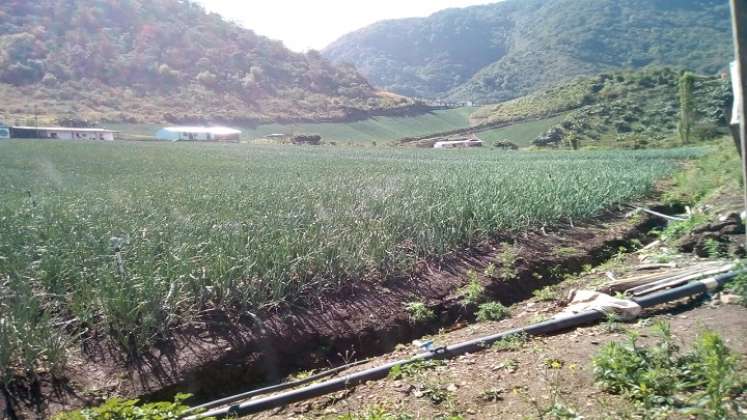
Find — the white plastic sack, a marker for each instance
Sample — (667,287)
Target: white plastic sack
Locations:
(584,300)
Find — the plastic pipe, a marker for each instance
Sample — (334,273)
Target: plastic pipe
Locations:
(550,326)
(275,388)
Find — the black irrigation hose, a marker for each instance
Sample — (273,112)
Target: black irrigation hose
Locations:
(275,388)
(553,325)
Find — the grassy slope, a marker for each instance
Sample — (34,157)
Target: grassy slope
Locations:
(623,109)
(521,134)
(373,129)
(717,172)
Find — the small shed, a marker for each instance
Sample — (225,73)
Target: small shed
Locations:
(4,132)
(198,134)
(458,143)
(62,133)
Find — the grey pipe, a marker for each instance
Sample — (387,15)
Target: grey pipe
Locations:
(553,325)
(275,388)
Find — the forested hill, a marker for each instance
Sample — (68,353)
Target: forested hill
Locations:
(504,50)
(163,60)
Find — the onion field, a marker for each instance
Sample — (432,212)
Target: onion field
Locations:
(128,240)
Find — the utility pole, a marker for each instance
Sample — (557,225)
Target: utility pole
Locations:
(739,22)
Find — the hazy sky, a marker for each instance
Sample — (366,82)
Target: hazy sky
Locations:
(307,24)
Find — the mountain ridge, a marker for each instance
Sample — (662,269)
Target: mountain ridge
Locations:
(165,60)
(516,47)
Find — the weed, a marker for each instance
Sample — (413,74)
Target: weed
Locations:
(375,413)
(507,259)
(437,393)
(546,294)
(557,409)
(677,229)
(714,248)
(511,343)
(411,369)
(299,376)
(663,258)
(659,376)
(491,311)
(419,312)
(536,319)
(554,363)
(738,286)
(474,292)
(492,394)
(511,365)
(490,270)
(566,251)
(611,323)
(716,367)
(449,417)
(117,408)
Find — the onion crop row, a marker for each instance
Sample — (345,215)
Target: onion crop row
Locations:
(129,240)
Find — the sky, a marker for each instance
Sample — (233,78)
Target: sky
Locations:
(314,24)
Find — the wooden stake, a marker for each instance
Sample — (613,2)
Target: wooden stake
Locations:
(739,23)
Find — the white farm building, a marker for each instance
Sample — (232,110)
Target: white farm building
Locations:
(457,144)
(198,134)
(62,133)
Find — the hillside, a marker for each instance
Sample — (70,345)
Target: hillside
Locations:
(163,60)
(622,109)
(497,52)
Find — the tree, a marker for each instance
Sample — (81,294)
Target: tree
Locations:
(687,106)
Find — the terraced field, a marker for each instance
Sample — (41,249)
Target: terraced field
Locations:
(523,133)
(129,240)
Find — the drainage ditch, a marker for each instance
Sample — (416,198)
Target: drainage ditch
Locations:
(276,352)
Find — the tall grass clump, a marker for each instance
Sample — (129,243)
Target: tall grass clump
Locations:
(129,241)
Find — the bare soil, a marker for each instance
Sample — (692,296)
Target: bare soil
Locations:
(223,354)
(527,381)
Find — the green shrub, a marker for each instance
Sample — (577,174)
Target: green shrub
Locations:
(419,312)
(546,294)
(491,311)
(474,292)
(511,343)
